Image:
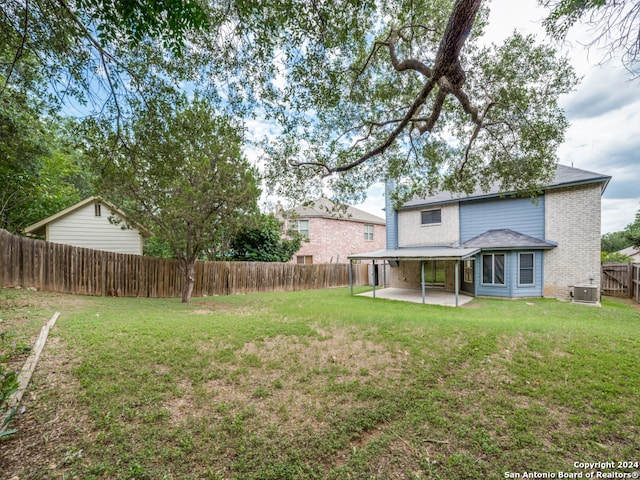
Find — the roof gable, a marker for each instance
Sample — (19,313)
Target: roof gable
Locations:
(38,227)
(325,208)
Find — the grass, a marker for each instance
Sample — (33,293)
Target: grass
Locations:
(321,384)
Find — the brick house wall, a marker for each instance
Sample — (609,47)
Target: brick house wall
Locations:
(572,219)
(411,233)
(332,240)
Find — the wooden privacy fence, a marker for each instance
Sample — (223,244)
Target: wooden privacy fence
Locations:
(60,268)
(621,280)
(635,281)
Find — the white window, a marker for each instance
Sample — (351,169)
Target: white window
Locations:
(97,210)
(301,226)
(493,269)
(304,259)
(431,217)
(468,271)
(526,269)
(368,232)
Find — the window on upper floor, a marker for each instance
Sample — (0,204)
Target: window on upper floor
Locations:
(97,210)
(431,217)
(368,232)
(493,269)
(300,226)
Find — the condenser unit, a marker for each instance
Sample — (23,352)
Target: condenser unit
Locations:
(585,294)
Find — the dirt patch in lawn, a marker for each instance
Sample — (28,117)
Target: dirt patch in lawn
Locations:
(292,382)
(51,419)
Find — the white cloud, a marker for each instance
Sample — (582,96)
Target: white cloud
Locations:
(618,213)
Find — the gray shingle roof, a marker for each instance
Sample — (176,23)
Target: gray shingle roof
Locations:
(565,176)
(506,238)
(325,208)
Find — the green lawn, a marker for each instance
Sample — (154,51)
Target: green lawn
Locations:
(321,384)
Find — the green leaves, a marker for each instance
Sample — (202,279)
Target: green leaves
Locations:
(178,170)
(632,231)
(39,173)
(264,242)
(345,132)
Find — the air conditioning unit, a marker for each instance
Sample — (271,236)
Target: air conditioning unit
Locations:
(585,293)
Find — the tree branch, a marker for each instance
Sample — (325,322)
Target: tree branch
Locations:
(407,64)
(446,72)
(476,131)
(20,48)
(420,99)
(435,113)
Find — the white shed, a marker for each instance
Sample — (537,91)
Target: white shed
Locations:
(90,224)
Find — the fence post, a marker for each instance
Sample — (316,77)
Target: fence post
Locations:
(636,266)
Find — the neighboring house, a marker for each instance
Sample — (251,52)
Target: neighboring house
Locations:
(632,252)
(90,224)
(331,236)
(493,244)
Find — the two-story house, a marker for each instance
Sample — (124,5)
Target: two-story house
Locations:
(499,244)
(332,235)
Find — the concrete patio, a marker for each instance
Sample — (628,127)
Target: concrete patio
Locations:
(432,296)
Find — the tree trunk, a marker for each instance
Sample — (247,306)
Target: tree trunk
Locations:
(447,62)
(189,268)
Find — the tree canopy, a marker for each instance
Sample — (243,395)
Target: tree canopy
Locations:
(614,26)
(362,91)
(417,99)
(632,231)
(40,172)
(628,237)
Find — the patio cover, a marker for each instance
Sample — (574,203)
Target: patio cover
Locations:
(420,254)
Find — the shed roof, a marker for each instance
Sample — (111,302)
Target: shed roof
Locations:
(565,176)
(629,251)
(38,228)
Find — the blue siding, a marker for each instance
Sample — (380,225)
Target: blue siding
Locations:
(391,216)
(518,214)
(511,288)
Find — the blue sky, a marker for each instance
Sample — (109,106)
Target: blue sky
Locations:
(604,113)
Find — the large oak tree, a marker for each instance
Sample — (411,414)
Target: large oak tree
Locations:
(419,100)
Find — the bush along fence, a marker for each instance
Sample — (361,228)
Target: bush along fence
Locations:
(53,267)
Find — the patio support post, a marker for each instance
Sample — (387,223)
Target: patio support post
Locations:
(457,280)
(351,276)
(422,278)
(384,273)
(374,278)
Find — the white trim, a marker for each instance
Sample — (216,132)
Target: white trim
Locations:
(533,270)
(493,270)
